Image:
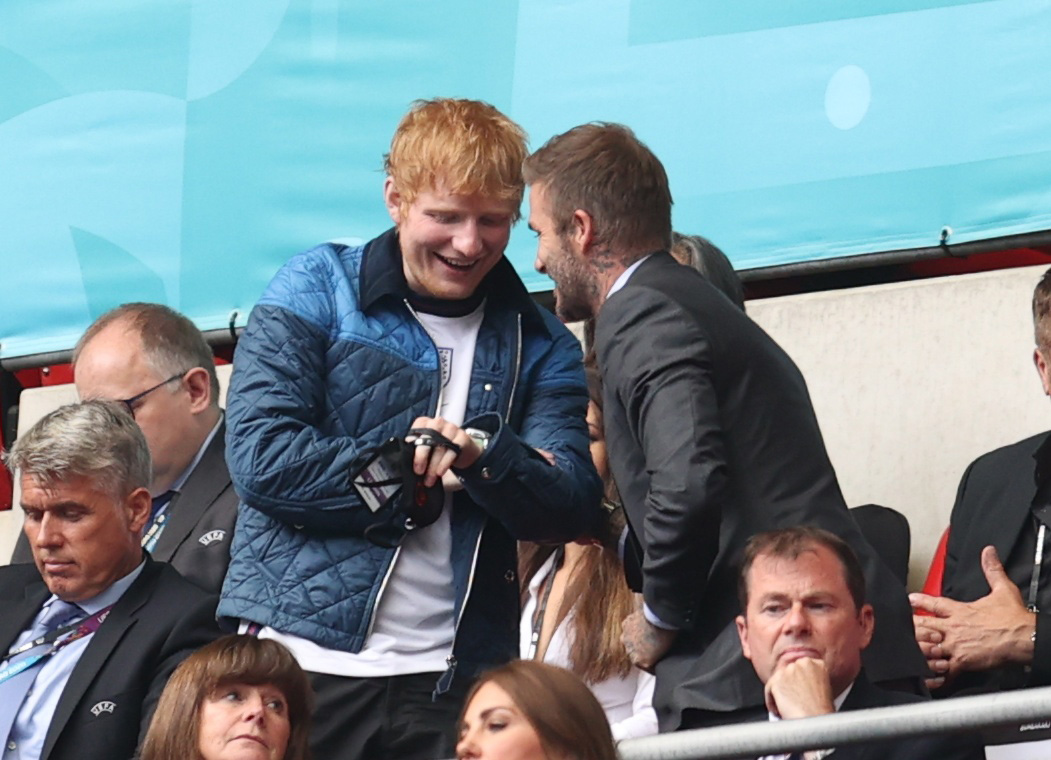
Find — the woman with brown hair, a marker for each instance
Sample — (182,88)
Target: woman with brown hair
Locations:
(531,711)
(574,598)
(238,698)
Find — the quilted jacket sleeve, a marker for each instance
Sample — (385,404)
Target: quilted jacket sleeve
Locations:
(534,500)
(281,463)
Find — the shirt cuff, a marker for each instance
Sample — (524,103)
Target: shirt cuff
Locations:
(655,621)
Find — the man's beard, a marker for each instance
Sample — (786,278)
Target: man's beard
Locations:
(575,290)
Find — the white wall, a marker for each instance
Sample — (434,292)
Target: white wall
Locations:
(912,381)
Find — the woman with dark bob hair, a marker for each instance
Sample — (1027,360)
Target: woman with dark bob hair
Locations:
(238,698)
(527,710)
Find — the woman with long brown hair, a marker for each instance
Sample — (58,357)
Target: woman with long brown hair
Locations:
(574,598)
(532,711)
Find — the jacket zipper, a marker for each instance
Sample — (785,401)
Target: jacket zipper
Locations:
(446,679)
(518,371)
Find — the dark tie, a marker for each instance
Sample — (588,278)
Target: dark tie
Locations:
(13,690)
(159,502)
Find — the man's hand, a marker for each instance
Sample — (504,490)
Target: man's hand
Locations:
(433,462)
(987,633)
(646,643)
(800,689)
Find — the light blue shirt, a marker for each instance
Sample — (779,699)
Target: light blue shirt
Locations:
(181,480)
(150,539)
(621,281)
(26,740)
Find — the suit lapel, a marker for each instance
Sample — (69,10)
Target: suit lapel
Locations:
(1012,515)
(207,481)
(19,611)
(103,642)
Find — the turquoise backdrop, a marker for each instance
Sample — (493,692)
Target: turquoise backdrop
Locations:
(181,150)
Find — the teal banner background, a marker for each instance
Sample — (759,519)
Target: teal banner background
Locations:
(180,151)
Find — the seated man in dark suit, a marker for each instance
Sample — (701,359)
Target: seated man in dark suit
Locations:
(804,626)
(991,630)
(90,634)
(158,364)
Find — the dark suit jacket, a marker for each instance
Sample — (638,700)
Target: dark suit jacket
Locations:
(712,438)
(196,539)
(158,621)
(864,695)
(994,506)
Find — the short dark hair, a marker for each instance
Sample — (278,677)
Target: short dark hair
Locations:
(789,543)
(1042,313)
(606,170)
(171,342)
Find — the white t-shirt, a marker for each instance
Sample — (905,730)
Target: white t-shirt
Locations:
(413,624)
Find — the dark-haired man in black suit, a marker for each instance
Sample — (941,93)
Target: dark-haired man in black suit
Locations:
(991,629)
(709,425)
(804,625)
(92,630)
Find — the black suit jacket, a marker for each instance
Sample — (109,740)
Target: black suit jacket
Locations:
(994,506)
(864,695)
(196,539)
(156,624)
(712,438)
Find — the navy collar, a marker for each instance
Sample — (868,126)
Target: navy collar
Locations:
(382,276)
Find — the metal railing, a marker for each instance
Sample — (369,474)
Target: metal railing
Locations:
(754,740)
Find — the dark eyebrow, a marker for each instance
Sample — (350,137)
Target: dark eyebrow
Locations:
(69,503)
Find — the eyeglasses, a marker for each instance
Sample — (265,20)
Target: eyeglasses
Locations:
(131,402)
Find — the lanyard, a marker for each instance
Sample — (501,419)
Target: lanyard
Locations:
(541,610)
(79,629)
(154,533)
(1038,559)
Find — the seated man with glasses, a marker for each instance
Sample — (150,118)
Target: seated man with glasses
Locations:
(156,363)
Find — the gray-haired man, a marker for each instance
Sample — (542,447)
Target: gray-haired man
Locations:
(93,628)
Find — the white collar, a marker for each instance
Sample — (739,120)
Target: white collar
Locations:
(621,281)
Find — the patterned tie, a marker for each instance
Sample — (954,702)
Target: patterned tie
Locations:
(13,691)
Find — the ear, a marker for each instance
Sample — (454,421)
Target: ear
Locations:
(137,507)
(742,634)
(867,621)
(582,231)
(199,386)
(392,200)
(1042,369)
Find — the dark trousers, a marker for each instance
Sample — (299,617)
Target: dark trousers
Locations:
(392,718)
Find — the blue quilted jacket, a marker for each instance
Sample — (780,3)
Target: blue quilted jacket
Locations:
(333,362)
